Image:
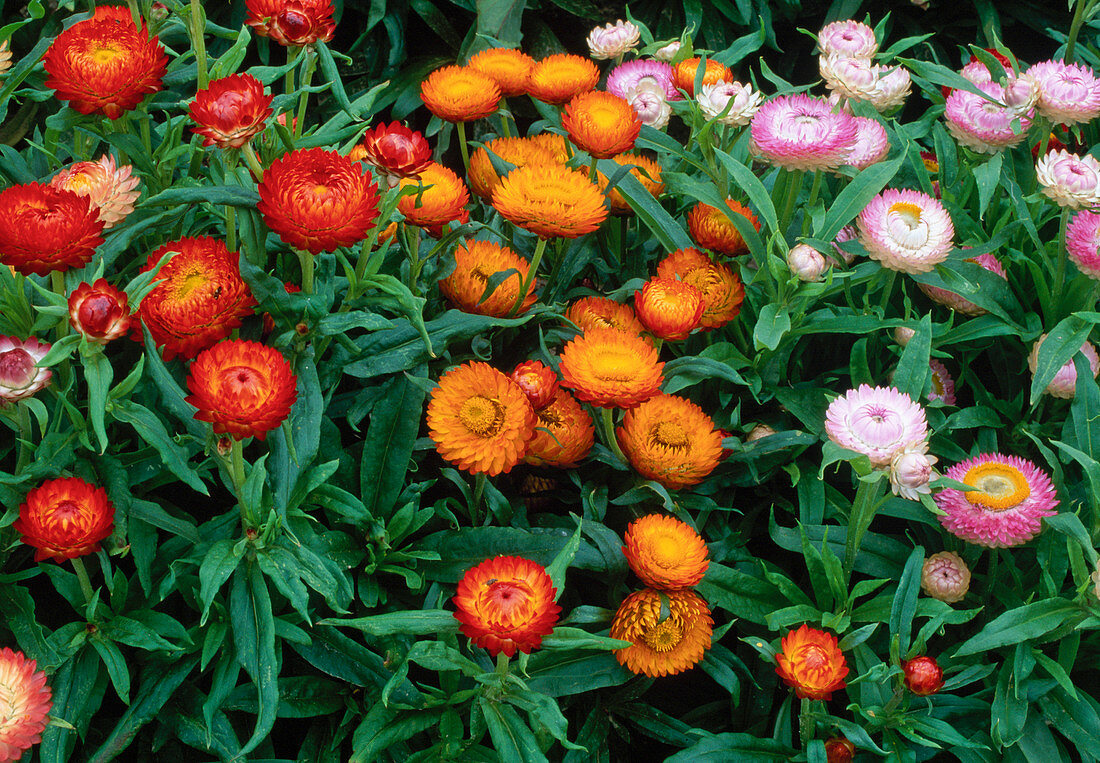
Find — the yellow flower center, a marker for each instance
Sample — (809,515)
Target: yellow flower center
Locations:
(910,213)
(191,281)
(104,53)
(669,434)
(482,415)
(604,118)
(998,486)
(666,550)
(614,365)
(664,636)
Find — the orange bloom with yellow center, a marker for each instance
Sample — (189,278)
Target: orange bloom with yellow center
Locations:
(683,74)
(665,553)
(646,171)
(111,189)
(459,94)
(811,663)
(480,419)
(198,296)
(506,604)
(671,440)
(670,630)
(711,229)
(245,389)
(550,200)
(441,198)
(105,64)
(25,703)
(669,309)
(507,67)
(611,368)
(554,143)
(564,433)
(601,123)
(519,152)
(600,312)
(720,286)
(558,78)
(47,229)
(65,518)
(475,263)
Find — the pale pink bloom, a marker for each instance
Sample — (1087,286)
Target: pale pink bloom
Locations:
(1021,94)
(845,234)
(871,144)
(945,576)
(1083,243)
(668,52)
(849,38)
(875,421)
(943,386)
(849,76)
(1068,93)
(911,471)
(627,76)
(1064,383)
(759,432)
(613,40)
(111,189)
(1072,181)
(806,263)
(982,125)
(891,88)
(650,103)
(902,335)
(906,230)
(957,302)
(1010,498)
(20,376)
(742,100)
(799,132)
(976,72)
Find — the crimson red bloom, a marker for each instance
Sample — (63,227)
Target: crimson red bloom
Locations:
(318,200)
(105,64)
(923,675)
(506,604)
(839,750)
(230,111)
(99,311)
(395,150)
(292,22)
(65,518)
(47,229)
(538,381)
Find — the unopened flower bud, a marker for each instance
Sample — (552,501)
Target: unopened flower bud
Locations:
(902,335)
(1095,577)
(668,52)
(923,676)
(911,471)
(650,103)
(806,262)
(538,382)
(945,576)
(20,376)
(99,311)
(224,445)
(839,750)
(759,432)
(613,40)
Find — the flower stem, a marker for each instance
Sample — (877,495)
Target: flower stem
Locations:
(461,127)
(806,722)
(412,244)
(23,419)
(794,186)
(1080,13)
(815,189)
(303,99)
(288,82)
(1060,268)
(592,170)
(198,30)
(502,665)
(502,109)
(236,474)
(306,261)
(57,281)
(532,271)
(863,511)
(231,227)
(475,502)
(85,581)
(609,434)
(888,289)
(253,161)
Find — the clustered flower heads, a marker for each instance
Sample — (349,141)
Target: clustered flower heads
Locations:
(906,230)
(875,421)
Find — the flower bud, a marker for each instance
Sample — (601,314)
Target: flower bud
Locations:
(742,100)
(20,376)
(945,576)
(806,262)
(923,676)
(839,750)
(668,308)
(99,311)
(759,432)
(902,335)
(1095,577)
(1064,383)
(538,382)
(650,103)
(612,40)
(668,52)
(911,471)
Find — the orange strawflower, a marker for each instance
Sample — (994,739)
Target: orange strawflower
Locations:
(480,419)
(665,553)
(475,263)
(683,74)
(711,229)
(811,663)
(557,78)
(459,94)
(506,604)
(292,22)
(601,312)
(538,381)
(111,189)
(198,297)
(611,368)
(516,151)
(317,200)
(105,64)
(5,57)
(47,229)
(720,286)
(230,111)
(550,200)
(245,389)
(555,144)
(509,68)
(394,150)
(25,703)
(671,440)
(99,312)
(646,171)
(442,200)
(663,646)
(65,518)
(564,433)
(669,309)
(601,123)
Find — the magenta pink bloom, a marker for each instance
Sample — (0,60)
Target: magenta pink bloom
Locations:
(627,76)
(871,144)
(957,302)
(906,230)
(844,235)
(1068,93)
(1010,498)
(20,376)
(1083,243)
(982,125)
(799,132)
(1071,180)
(875,421)
(1064,383)
(847,38)
(943,386)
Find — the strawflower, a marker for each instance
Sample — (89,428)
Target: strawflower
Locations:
(799,132)
(600,312)
(475,263)
(668,308)
(806,263)
(645,170)
(849,38)
(65,518)
(568,437)
(627,76)
(395,151)
(610,368)
(520,152)
(684,73)
(441,198)
(551,201)
(923,675)
(665,553)
(719,286)
(911,471)
(292,22)
(841,749)
(957,302)
(1070,180)
(99,312)
(811,663)
(510,69)
(230,111)
(601,123)
(20,376)
(47,229)
(25,703)
(460,94)
(945,576)
(538,381)
(711,228)
(558,78)
(875,421)
(1083,243)
(1064,383)
(871,145)
(943,386)
(650,103)
(671,440)
(1068,93)
(670,632)
(906,230)
(741,101)
(612,40)
(982,125)
(111,189)
(506,604)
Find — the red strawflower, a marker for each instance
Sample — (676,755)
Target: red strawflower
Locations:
(923,675)
(47,229)
(811,663)
(65,518)
(292,22)
(99,311)
(538,382)
(395,150)
(230,111)
(25,703)
(506,604)
(839,750)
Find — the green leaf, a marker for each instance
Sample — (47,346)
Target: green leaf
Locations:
(218,564)
(408,623)
(218,195)
(564,637)
(856,195)
(560,673)
(745,179)
(773,322)
(1020,624)
(98,373)
(743,748)
(1085,409)
(740,593)
(388,447)
(150,428)
(253,627)
(913,368)
(171,395)
(117,668)
(556,569)
(512,739)
(1062,343)
(660,223)
(904,605)
(988,177)
(1070,525)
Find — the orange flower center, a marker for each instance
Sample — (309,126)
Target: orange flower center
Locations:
(509,595)
(665,635)
(244,383)
(482,415)
(666,550)
(604,117)
(910,213)
(669,434)
(614,364)
(998,486)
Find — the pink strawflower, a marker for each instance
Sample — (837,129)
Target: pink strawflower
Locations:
(845,234)
(943,386)
(111,189)
(1068,93)
(627,76)
(957,302)
(875,421)
(945,576)
(911,471)
(1010,498)
(20,377)
(799,132)
(981,125)
(1072,181)
(612,40)
(871,144)
(806,263)
(667,52)
(851,77)
(1064,383)
(650,103)
(892,87)
(1083,242)
(742,100)
(906,230)
(849,38)
(25,703)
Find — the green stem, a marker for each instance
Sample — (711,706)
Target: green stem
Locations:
(146,137)
(806,722)
(303,99)
(231,227)
(606,418)
(288,82)
(252,161)
(1060,268)
(592,169)
(412,244)
(502,665)
(794,186)
(540,247)
(863,511)
(475,502)
(461,127)
(85,581)
(815,189)
(503,110)
(305,259)
(888,289)
(198,30)
(26,433)
(57,281)
(1080,13)
(236,474)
